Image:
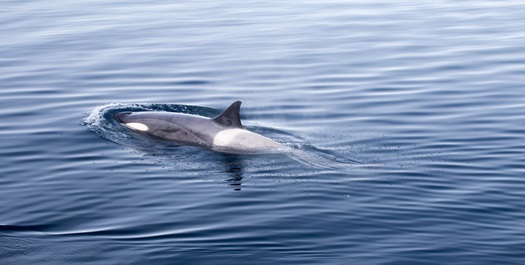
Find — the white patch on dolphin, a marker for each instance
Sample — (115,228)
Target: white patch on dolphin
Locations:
(227,137)
(137,126)
(243,139)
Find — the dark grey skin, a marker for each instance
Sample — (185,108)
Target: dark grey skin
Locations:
(224,133)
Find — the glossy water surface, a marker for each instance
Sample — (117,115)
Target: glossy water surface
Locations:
(409,118)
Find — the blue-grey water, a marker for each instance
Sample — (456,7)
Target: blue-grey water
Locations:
(410,116)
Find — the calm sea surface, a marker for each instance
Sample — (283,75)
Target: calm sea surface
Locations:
(409,118)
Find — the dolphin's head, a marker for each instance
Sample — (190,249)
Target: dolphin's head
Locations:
(123,117)
(129,120)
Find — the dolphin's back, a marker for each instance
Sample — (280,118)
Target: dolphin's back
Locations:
(184,128)
(224,133)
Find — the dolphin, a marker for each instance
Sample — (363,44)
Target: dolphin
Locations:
(224,133)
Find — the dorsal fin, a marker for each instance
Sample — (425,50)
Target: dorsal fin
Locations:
(231,117)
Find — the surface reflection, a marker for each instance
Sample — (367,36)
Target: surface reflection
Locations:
(234,169)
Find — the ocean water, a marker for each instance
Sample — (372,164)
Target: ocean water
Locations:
(410,117)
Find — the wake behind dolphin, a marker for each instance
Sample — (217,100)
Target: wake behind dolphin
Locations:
(223,133)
